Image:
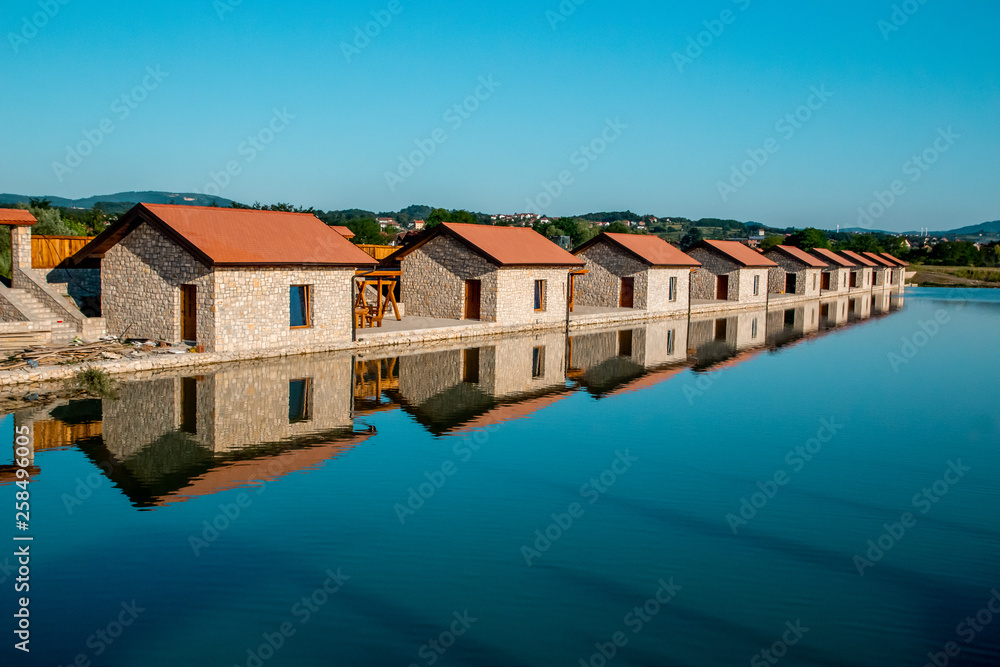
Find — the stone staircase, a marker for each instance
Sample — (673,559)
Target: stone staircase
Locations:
(62,330)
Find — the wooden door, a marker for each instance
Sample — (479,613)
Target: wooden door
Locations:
(722,289)
(826,281)
(473,299)
(627,298)
(791,282)
(189,312)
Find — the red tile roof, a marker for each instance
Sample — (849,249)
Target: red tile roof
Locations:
(16,217)
(858,259)
(649,249)
(343,231)
(881,261)
(237,237)
(738,252)
(799,254)
(892,258)
(832,257)
(504,246)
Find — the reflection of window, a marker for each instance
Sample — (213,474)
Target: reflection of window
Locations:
(670,342)
(470,366)
(189,405)
(625,343)
(299,400)
(299,307)
(673,289)
(753,328)
(539,295)
(538,362)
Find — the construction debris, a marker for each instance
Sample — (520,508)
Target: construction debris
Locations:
(81,352)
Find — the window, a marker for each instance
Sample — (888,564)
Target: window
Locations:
(670,342)
(815,278)
(300,306)
(299,401)
(470,365)
(538,362)
(756,285)
(753,329)
(539,295)
(673,289)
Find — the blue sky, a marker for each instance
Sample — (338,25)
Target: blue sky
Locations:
(666,122)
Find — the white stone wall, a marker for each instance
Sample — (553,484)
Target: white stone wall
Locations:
(20,246)
(252,308)
(433,280)
(659,290)
(607,265)
(515,297)
(745,280)
(807,279)
(840,279)
(140,287)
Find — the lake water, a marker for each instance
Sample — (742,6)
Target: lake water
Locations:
(813,487)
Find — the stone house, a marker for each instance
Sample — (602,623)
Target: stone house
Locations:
(863,272)
(898,271)
(227,279)
(891,273)
(730,271)
(836,277)
(797,272)
(634,271)
(507,275)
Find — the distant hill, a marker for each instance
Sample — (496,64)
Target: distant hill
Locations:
(148,197)
(971,230)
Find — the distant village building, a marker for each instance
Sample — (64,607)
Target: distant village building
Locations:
(508,275)
(227,279)
(634,271)
(836,277)
(418,225)
(797,272)
(730,272)
(385,222)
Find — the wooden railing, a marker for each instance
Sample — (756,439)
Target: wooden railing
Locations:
(379,252)
(48,251)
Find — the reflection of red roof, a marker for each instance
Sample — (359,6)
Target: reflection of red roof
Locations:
(343,231)
(510,412)
(881,261)
(799,254)
(649,380)
(504,246)
(265,469)
(832,257)
(649,249)
(237,237)
(857,259)
(737,252)
(896,260)
(737,359)
(16,217)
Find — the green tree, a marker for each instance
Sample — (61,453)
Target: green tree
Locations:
(692,238)
(771,241)
(808,238)
(618,228)
(862,243)
(366,231)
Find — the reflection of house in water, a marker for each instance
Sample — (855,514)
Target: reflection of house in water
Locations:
(53,426)
(833,312)
(474,387)
(713,340)
(790,324)
(168,438)
(859,307)
(607,362)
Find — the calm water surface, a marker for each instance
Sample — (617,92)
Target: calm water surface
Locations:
(821,484)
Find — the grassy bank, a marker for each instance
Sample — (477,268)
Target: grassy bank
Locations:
(955,276)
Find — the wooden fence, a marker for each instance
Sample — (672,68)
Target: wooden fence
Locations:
(379,252)
(48,251)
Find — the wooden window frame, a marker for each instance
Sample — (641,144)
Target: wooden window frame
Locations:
(307,290)
(540,289)
(307,400)
(672,288)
